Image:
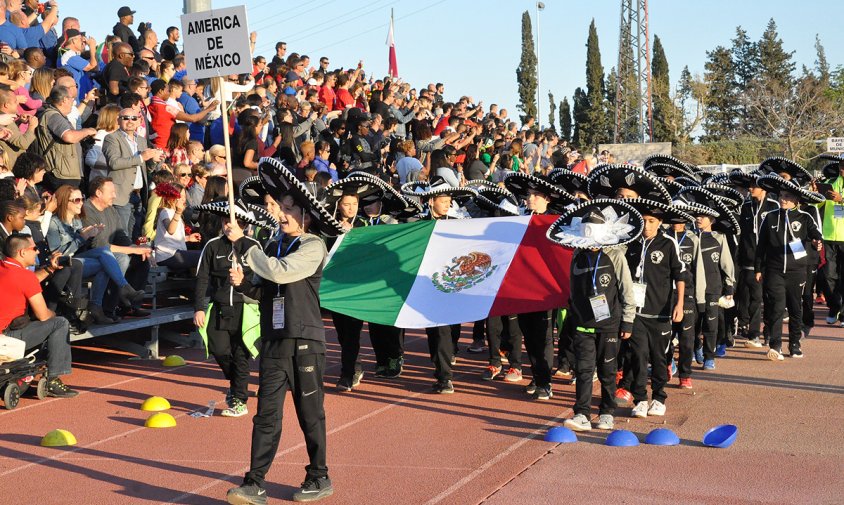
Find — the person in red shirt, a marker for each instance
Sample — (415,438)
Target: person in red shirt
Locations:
(20,287)
(326,92)
(344,98)
(164,116)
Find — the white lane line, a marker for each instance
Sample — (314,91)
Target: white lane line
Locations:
(494,461)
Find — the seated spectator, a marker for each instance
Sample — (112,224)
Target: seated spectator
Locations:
(408,167)
(246,147)
(42,83)
(216,189)
(158,177)
(170,236)
(177,145)
(196,189)
(133,259)
(196,153)
(95,160)
(12,218)
(323,153)
(29,170)
(18,140)
(68,236)
(21,74)
(22,291)
(59,141)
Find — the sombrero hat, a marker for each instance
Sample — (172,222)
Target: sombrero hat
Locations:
(570,181)
(728,195)
(279,181)
(669,214)
(247,212)
(671,185)
(741,179)
(423,190)
(776,184)
(667,166)
(597,224)
(367,190)
(393,203)
(605,180)
(251,190)
(492,197)
(519,183)
(778,165)
(725,221)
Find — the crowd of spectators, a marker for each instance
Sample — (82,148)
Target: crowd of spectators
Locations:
(106,149)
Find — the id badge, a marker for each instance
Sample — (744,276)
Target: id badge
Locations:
(797,249)
(639,290)
(600,307)
(278,313)
(838,211)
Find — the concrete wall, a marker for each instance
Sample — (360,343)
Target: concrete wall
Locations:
(635,153)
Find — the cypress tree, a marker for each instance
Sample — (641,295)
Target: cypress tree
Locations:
(609,97)
(594,129)
(526,72)
(661,89)
(565,120)
(580,116)
(552,110)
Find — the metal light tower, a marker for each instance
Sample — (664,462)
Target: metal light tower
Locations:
(633,86)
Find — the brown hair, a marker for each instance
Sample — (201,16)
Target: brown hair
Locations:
(42,81)
(63,200)
(179,137)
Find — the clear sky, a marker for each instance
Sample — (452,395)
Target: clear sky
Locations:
(473,47)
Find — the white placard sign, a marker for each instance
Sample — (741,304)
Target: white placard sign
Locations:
(835,144)
(217,43)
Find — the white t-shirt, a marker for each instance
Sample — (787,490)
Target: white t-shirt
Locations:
(166,245)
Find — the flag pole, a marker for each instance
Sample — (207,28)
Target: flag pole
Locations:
(227,145)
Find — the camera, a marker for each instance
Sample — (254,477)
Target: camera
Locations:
(63,261)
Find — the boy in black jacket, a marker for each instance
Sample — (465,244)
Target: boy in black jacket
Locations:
(602,305)
(782,261)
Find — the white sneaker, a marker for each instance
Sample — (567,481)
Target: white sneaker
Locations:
(775,355)
(640,410)
(605,422)
(578,423)
(753,343)
(657,408)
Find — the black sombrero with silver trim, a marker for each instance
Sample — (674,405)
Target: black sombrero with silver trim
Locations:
(570,181)
(280,181)
(424,190)
(596,224)
(778,165)
(728,195)
(365,188)
(663,165)
(672,186)
(492,197)
(833,169)
(393,203)
(668,214)
(247,212)
(694,209)
(251,190)
(520,183)
(773,183)
(605,180)
(725,221)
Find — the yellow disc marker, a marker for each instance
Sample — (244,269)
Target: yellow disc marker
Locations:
(160,420)
(173,360)
(58,438)
(155,404)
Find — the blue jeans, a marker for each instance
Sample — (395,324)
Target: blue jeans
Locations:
(103,266)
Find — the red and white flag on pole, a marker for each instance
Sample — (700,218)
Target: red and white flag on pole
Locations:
(394,66)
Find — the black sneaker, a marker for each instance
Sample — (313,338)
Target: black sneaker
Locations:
(251,494)
(531,388)
(356,378)
(313,490)
(443,387)
(394,368)
(543,393)
(344,384)
(58,389)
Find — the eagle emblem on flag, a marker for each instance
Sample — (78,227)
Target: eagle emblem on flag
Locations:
(464,272)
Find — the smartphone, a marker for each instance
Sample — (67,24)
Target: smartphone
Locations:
(823,187)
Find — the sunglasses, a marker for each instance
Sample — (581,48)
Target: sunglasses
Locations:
(129,118)
(184,174)
(127,54)
(76,200)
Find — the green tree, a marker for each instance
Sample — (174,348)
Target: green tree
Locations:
(776,67)
(745,64)
(627,101)
(526,72)
(821,63)
(552,110)
(722,104)
(609,99)
(565,120)
(661,93)
(594,128)
(580,116)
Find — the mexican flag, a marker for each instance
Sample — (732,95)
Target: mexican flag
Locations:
(435,273)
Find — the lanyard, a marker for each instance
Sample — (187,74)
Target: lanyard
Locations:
(278,255)
(680,243)
(640,270)
(595,272)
